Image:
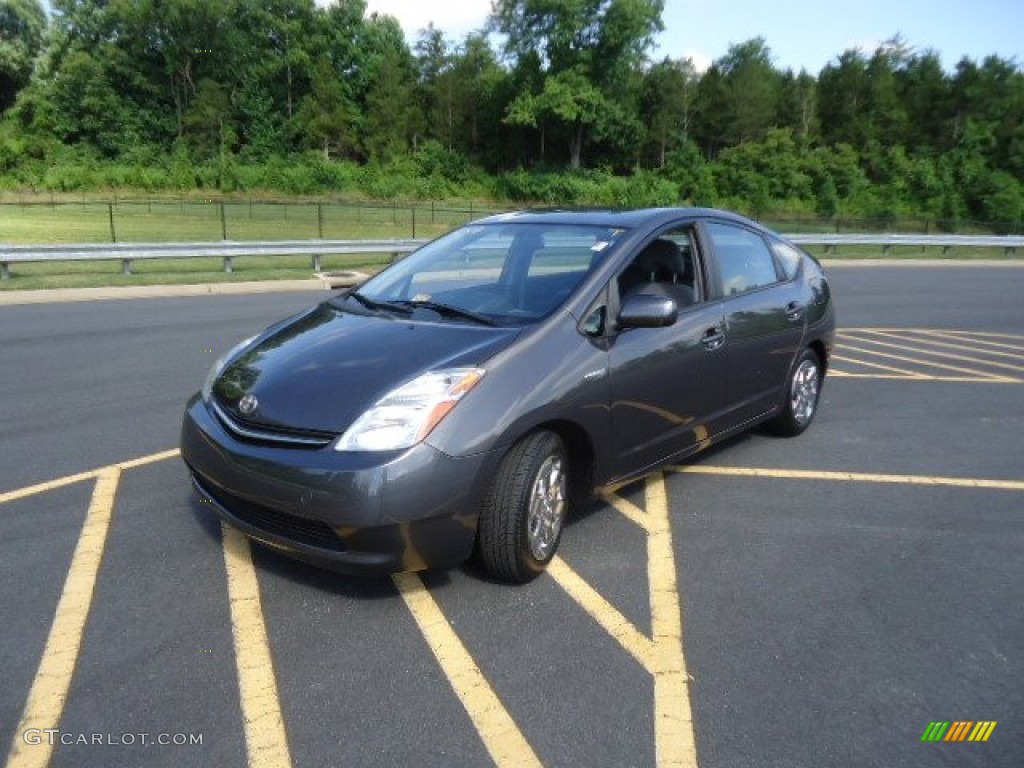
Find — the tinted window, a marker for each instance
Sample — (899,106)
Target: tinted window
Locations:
(744,261)
(665,266)
(788,256)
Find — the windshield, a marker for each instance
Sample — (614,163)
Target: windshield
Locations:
(505,273)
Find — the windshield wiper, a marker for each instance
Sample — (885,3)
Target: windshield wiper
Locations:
(448,310)
(375,305)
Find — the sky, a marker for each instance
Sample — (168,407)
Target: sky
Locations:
(800,33)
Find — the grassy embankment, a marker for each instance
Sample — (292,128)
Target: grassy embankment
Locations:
(196,219)
(200,220)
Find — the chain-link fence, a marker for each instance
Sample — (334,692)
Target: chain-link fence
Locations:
(39,220)
(189,219)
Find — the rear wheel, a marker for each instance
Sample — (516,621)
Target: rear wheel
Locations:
(521,521)
(801,399)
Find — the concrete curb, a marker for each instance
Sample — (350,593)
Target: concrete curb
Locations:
(922,262)
(51,295)
(105,293)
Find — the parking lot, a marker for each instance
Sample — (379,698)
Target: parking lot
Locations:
(806,602)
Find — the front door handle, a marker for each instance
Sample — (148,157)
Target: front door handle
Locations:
(713,338)
(794,311)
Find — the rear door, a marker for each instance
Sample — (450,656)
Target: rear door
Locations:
(764,316)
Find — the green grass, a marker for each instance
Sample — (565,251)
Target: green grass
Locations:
(874,252)
(196,219)
(92,274)
(192,220)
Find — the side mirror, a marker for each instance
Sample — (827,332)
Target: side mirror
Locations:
(644,310)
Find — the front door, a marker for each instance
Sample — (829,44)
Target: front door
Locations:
(667,385)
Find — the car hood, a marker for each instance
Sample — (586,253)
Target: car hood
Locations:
(319,371)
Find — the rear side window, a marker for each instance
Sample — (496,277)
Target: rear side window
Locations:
(789,258)
(744,261)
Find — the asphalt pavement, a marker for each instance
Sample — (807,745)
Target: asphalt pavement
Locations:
(837,592)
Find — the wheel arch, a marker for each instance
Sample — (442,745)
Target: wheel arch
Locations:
(580,448)
(818,347)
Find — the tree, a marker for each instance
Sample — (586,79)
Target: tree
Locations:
(390,107)
(797,104)
(90,110)
(751,90)
(208,122)
(476,80)
(587,50)
(669,88)
(327,115)
(711,118)
(842,98)
(22,27)
(435,87)
(827,204)
(927,97)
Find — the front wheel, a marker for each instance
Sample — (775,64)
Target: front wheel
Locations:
(521,521)
(801,399)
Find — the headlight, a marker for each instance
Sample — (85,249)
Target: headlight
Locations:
(406,415)
(218,366)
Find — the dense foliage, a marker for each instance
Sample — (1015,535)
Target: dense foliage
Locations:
(558,101)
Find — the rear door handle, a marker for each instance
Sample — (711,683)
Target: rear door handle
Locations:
(713,338)
(794,311)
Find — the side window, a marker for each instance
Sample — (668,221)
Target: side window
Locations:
(788,256)
(665,266)
(744,261)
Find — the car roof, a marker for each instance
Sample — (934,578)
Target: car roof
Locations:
(626,219)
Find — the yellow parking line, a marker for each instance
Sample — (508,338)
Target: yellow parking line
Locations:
(265,737)
(900,377)
(905,372)
(1015,336)
(920,338)
(930,363)
(974,338)
(628,509)
(60,482)
(499,732)
(151,458)
(604,613)
(937,353)
(675,741)
(840,374)
(53,678)
(860,477)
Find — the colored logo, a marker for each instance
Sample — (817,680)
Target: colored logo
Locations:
(958,730)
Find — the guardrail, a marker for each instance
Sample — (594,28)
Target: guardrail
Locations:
(228,249)
(224,249)
(1009,243)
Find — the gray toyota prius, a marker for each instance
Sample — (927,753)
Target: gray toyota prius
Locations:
(462,400)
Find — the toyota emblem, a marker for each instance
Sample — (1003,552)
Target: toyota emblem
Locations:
(248,404)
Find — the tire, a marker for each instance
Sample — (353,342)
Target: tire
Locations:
(521,521)
(800,401)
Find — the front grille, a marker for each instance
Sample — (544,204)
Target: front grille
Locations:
(271,521)
(293,438)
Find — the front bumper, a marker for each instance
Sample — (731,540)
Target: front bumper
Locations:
(360,513)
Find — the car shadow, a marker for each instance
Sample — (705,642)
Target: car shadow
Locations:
(382,587)
(266,559)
